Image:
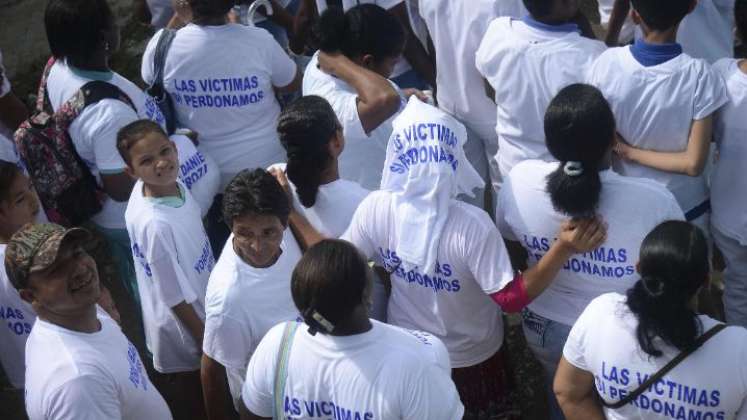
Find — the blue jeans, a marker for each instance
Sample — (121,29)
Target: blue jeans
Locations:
(546,339)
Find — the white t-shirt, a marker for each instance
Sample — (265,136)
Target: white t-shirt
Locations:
(401,66)
(728,183)
(17,318)
(525,214)
(527,67)
(243,303)
(708,31)
(654,108)
(198,172)
(173,260)
(335,205)
(79,376)
(221,79)
(94,132)
(627,32)
(388,373)
(445,300)
(362,161)
(711,383)
(456,28)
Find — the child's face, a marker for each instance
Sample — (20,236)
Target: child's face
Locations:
(154,160)
(21,205)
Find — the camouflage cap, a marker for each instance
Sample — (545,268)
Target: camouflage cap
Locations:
(34,248)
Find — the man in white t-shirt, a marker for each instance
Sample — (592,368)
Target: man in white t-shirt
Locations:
(456,29)
(707,32)
(728,183)
(663,101)
(79,365)
(249,288)
(526,62)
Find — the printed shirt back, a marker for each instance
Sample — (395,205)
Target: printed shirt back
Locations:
(548,61)
(159,232)
(16,318)
(654,108)
(525,214)
(221,79)
(389,374)
(450,300)
(710,384)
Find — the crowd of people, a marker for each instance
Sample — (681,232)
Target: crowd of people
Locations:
(326,209)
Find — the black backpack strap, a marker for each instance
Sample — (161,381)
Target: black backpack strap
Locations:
(664,370)
(159,60)
(96,90)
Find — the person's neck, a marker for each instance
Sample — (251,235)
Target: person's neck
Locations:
(553,20)
(158,191)
(357,323)
(660,37)
(97,62)
(743,66)
(330,174)
(210,21)
(84,321)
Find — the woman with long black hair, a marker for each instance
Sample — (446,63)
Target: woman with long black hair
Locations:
(621,340)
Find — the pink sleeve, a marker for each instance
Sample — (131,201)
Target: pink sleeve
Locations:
(512,298)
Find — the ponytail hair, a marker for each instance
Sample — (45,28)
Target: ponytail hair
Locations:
(329,282)
(364,29)
(673,265)
(579,131)
(305,129)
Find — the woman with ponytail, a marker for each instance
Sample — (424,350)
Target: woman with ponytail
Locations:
(621,340)
(341,364)
(312,137)
(358,50)
(538,195)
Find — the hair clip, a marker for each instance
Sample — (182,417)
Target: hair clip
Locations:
(573,168)
(317,322)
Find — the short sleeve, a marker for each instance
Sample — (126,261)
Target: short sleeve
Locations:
(574,350)
(710,93)
(163,258)
(283,69)
(257,391)
(84,398)
(486,255)
(505,200)
(431,394)
(97,126)
(357,233)
(227,341)
(484,55)
(146,66)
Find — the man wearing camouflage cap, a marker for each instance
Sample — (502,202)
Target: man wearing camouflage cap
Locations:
(79,365)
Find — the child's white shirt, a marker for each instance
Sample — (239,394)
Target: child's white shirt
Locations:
(173,260)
